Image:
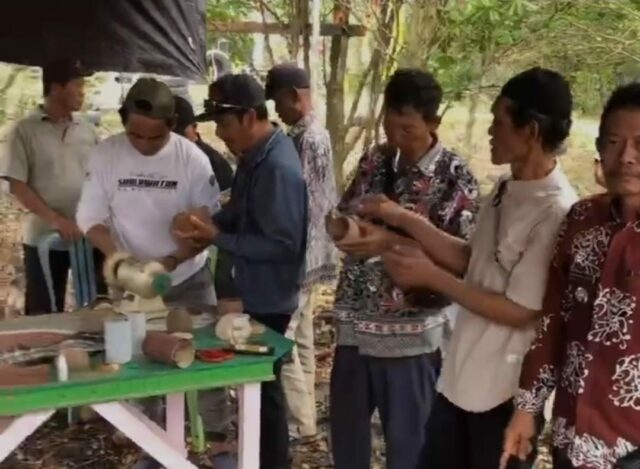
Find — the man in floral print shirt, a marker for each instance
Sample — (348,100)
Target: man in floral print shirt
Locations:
(289,87)
(587,346)
(387,354)
(497,279)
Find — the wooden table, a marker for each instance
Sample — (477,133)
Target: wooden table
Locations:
(24,409)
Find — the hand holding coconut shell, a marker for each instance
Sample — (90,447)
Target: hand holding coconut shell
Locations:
(357,237)
(341,228)
(194,228)
(183,223)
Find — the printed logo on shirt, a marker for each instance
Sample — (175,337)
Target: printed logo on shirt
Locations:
(144,182)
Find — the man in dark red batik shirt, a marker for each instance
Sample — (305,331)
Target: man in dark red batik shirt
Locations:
(588,343)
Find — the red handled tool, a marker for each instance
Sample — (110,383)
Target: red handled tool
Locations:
(214,355)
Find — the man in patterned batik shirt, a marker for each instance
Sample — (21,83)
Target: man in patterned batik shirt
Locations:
(289,87)
(588,343)
(387,355)
(497,279)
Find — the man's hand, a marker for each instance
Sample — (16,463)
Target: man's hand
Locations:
(379,206)
(201,234)
(518,437)
(170,263)
(374,241)
(67,229)
(410,267)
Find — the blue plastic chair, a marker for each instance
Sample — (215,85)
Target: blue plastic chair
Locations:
(82,267)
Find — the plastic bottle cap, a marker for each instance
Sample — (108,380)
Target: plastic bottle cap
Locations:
(161,283)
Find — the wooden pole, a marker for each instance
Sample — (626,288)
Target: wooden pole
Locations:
(251,27)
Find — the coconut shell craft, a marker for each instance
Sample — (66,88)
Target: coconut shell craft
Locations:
(182,221)
(77,359)
(169,349)
(146,279)
(234,328)
(342,228)
(179,320)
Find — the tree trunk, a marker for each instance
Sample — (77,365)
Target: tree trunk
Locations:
(315,62)
(338,54)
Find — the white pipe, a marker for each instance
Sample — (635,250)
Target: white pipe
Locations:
(117,340)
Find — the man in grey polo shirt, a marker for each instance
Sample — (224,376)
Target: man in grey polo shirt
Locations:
(498,278)
(45,165)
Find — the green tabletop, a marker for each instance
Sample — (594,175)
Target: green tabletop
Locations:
(144,378)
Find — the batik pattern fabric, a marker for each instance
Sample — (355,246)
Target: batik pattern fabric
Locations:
(314,147)
(587,346)
(371,312)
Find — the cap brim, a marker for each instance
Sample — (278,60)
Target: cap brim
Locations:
(83,73)
(204,117)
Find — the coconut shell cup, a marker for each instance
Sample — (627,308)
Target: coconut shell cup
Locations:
(182,221)
(169,349)
(179,320)
(77,359)
(341,228)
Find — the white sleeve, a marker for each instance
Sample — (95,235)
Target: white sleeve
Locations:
(528,280)
(93,208)
(204,190)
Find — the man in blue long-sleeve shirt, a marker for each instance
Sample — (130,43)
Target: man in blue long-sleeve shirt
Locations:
(263,226)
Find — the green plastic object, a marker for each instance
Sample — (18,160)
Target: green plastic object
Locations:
(198,443)
(143,378)
(161,283)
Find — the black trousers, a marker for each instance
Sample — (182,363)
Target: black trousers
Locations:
(401,389)
(274,431)
(560,461)
(458,439)
(37,299)
(223,279)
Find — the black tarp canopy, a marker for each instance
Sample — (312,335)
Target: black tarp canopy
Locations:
(165,37)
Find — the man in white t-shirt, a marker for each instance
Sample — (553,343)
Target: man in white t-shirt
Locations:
(138,181)
(498,278)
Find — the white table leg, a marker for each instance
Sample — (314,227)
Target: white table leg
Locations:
(249,426)
(146,434)
(14,430)
(175,420)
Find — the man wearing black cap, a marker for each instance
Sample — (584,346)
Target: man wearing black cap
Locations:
(289,87)
(497,279)
(45,165)
(138,181)
(186,126)
(263,226)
